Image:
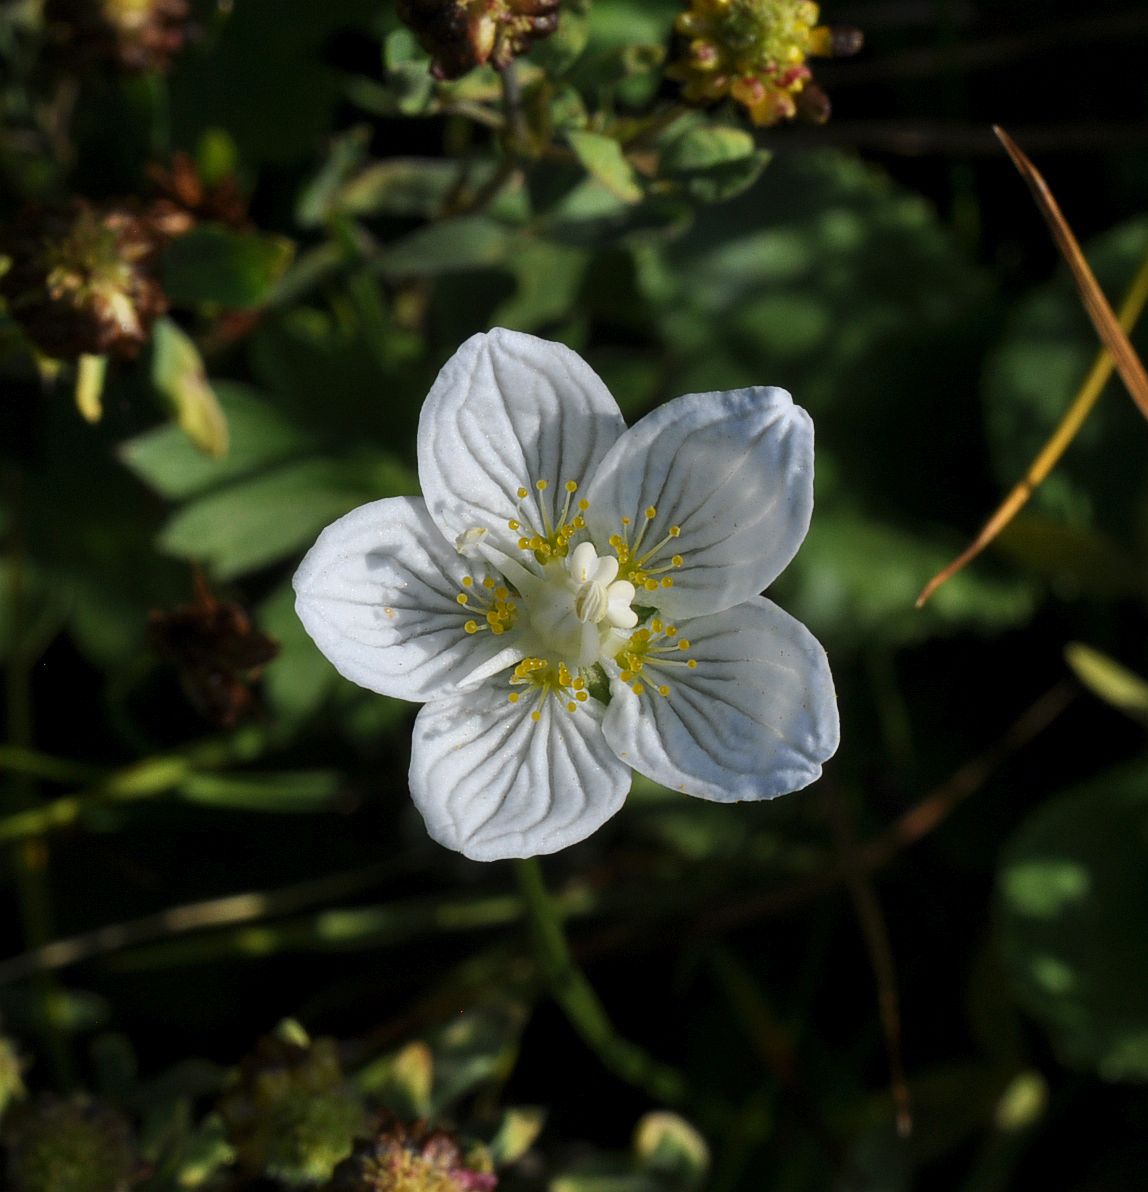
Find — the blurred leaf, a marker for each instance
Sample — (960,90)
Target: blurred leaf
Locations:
(90,374)
(516,1134)
(408,73)
(1023,1103)
(293,791)
(179,376)
(1077,561)
(548,277)
(259,520)
(713,162)
(402,1081)
(468,242)
(260,435)
(603,158)
(1073,901)
(475,1047)
(668,1145)
(1108,680)
(43,606)
(855,579)
(1030,380)
(301,680)
(217,266)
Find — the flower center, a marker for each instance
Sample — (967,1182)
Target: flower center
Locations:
(577,605)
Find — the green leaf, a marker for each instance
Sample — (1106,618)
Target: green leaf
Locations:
(1047,349)
(668,1145)
(179,376)
(302,679)
(474,1048)
(469,242)
(603,158)
(713,163)
(260,520)
(1073,901)
(516,1133)
(291,792)
(401,1081)
(217,266)
(1108,680)
(260,435)
(856,578)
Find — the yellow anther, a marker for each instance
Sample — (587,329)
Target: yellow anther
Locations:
(625,521)
(513,697)
(667,582)
(488,583)
(692,664)
(663,690)
(471,627)
(542,485)
(522,493)
(523,544)
(579,683)
(536,716)
(581,696)
(462,598)
(638,688)
(671,630)
(674,531)
(583,504)
(571,707)
(497,629)
(626,676)
(467,581)
(500,593)
(651,585)
(677,560)
(571,486)
(656,626)
(651,513)
(513,524)
(683,643)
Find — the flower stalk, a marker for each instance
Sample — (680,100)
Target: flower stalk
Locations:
(572,990)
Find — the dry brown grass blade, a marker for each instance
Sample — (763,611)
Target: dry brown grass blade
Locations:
(1128,363)
(1131,308)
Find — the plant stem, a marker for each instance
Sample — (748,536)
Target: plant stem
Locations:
(572,990)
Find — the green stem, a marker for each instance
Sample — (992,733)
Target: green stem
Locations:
(571,989)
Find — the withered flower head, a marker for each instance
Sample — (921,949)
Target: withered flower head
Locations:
(462,34)
(403,1158)
(81,279)
(756,52)
(70,1146)
(131,35)
(186,198)
(218,652)
(289,1113)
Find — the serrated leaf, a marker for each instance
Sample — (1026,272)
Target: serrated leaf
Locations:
(603,158)
(217,266)
(260,435)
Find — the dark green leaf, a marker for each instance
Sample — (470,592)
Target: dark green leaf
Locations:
(216,266)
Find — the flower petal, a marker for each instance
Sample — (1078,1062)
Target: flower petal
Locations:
(491,782)
(734,471)
(378,593)
(756,718)
(509,410)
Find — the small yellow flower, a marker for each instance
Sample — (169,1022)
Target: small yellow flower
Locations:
(752,50)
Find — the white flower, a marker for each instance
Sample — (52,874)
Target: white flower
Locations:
(573,599)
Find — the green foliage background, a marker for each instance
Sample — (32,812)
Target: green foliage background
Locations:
(173,890)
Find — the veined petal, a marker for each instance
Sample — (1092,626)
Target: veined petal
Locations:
(491,782)
(733,472)
(507,412)
(755,718)
(378,593)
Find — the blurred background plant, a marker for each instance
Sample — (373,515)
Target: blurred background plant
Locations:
(236,243)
